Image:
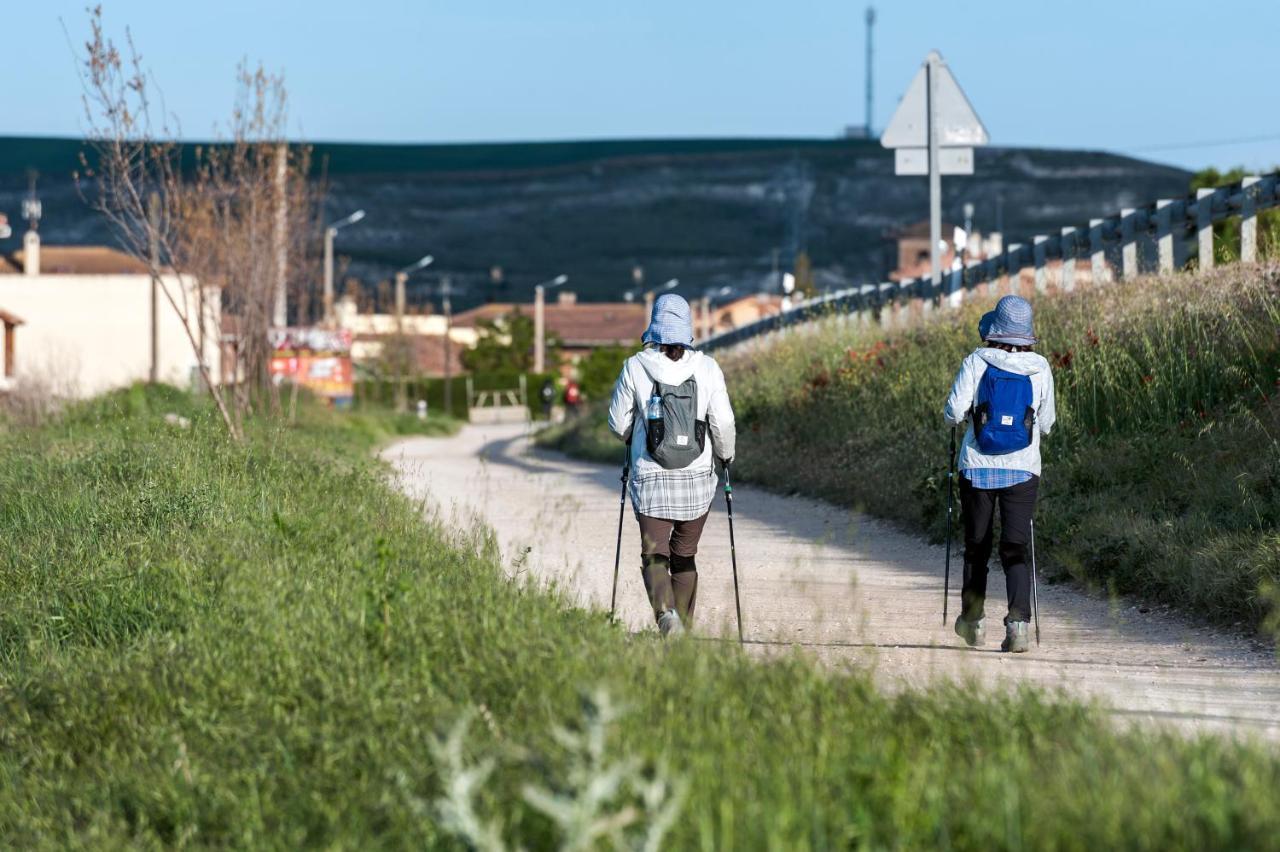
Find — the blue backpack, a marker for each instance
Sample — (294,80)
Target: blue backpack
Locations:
(1004,414)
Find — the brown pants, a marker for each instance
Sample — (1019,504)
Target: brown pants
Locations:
(667,550)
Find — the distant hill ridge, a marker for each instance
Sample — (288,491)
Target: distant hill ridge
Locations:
(710,212)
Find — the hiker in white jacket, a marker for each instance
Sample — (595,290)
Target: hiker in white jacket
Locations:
(1005,391)
(671,405)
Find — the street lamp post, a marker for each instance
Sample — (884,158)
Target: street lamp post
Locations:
(448,346)
(329,234)
(402,278)
(539,321)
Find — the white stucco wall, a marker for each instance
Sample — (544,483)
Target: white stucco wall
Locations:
(84,334)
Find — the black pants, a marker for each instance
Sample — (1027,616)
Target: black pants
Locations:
(1017,507)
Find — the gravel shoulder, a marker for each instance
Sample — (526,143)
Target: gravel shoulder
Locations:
(838,585)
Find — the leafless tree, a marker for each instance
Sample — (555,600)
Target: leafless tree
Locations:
(235,220)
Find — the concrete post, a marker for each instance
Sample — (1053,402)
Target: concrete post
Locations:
(1012,270)
(1204,226)
(885,297)
(1164,235)
(864,311)
(1249,219)
(1039,249)
(927,295)
(1128,244)
(1097,252)
(1068,280)
(955,288)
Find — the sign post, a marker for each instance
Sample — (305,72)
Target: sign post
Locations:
(933,132)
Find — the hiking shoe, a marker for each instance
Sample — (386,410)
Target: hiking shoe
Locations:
(669,624)
(972,632)
(1017,638)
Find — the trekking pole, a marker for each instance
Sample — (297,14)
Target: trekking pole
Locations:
(946,577)
(622,509)
(733,550)
(1035,596)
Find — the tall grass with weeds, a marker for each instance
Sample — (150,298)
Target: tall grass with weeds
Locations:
(1162,475)
(212,644)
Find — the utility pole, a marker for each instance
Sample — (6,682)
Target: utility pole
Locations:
(326,307)
(280,313)
(871,22)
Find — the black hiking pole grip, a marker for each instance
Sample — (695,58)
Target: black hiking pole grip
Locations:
(733,549)
(946,577)
(622,510)
(1035,595)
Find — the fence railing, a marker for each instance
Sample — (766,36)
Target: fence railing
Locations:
(1114,246)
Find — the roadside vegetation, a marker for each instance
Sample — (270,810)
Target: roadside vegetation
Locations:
(261,643)
(1161,479)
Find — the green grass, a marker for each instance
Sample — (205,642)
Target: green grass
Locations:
(1162,476)
(263,645)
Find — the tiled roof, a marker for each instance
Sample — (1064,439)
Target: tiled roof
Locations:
(578,324)
(76,260)
(921,230)
(428,352)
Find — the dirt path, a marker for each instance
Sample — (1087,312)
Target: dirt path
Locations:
(839,584)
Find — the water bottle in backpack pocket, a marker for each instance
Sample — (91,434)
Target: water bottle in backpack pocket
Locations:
(674,436)
(1004,416)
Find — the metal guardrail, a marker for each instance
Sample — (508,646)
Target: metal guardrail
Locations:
(1110,244)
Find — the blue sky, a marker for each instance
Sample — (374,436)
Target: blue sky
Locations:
(1132,76)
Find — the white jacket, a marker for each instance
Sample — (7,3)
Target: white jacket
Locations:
(635,386)
(961,401)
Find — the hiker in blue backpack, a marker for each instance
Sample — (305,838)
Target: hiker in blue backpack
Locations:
(1005,391)
(671,407)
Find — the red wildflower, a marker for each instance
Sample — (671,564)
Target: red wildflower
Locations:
(1062,360)
(1148,379)
(1091,337)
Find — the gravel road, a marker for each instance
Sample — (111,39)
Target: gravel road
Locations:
(842,586)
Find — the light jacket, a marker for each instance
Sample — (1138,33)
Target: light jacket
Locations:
(962,399)
(649,480)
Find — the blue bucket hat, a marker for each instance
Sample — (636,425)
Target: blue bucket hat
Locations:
(671,323)
(1010,323)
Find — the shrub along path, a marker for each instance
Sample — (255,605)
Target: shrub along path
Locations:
(843,586)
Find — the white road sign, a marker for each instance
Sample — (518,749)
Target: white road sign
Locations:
(933,132)
(958,124)
(915,161)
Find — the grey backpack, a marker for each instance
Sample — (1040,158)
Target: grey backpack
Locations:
(674,435)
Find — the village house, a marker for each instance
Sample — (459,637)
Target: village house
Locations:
(86,316)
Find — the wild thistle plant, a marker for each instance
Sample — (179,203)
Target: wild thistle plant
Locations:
(589,796)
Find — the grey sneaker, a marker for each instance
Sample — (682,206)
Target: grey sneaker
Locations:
(1017,638)
(972,632)
(669,624)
